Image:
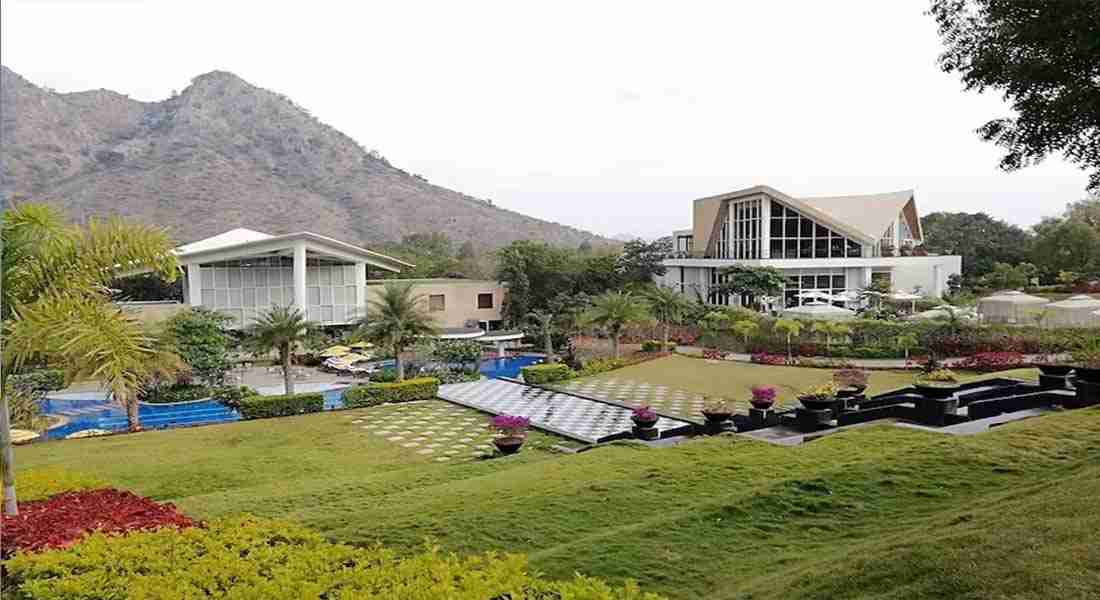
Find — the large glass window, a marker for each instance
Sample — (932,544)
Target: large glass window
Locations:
(742,231)
(799,281)
(796,236)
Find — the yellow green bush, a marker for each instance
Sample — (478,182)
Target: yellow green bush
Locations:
(243,558)
(373,394)
(546,373)
(39,484)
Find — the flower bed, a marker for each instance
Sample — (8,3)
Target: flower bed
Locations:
(988,362)
(764,358)
(69,516)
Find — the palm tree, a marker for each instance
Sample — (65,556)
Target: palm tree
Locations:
(829,329)
(54,284)
(790,328)
(395,319)
(906,342)
(280,328)
(544,322)
(614,311)
(668,306)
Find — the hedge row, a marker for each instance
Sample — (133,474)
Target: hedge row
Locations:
(546,373)
(40,484)
(260,407)
(373,394)
(243,557)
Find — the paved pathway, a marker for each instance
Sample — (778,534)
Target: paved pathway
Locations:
(435,430)
(665,400)
(584,419)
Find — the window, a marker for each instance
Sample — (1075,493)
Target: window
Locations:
(796,236)
(826,281)
(485,300)
(742,231)
(437,303)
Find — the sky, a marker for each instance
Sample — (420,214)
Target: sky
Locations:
(609,116)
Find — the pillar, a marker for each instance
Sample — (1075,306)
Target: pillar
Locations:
(300,278)
(194,286)
(500,349)
(361,289)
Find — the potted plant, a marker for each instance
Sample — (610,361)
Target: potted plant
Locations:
(1049,365)
(644,417)
(718,410)
(1086,362)
(820,397)
(938,383)
(511,432)
(852,382)
(763,397)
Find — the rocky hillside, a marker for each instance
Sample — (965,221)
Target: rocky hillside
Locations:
(224,154)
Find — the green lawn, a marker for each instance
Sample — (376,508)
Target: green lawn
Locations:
(875,512)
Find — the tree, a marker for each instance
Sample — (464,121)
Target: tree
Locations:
(758,281)
(641,261)
(906,342)
(981,240)
(829,329)
(789,328)
(1066,245)
(544,324)
(1008,277)
(1042,57)
(745,328)
(200,337)
(280,328)
(59,275)
(615,310)
(668,306)
(395,320)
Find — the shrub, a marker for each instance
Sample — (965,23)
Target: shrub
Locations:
(386,375)
(39,484)
(179,392)
(655,346)
(457,351)
(603,365)
(68,516)
(987,362)
(202,341)
(244,557)
(446,376)
(546,373)
(39,380)
(373,394)
(230,396)
(259,407)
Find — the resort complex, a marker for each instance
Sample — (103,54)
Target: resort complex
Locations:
(834,245)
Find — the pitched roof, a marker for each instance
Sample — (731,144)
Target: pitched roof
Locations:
(870,214)
(222,240)
(246,240)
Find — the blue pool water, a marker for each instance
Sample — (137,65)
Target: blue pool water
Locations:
(92,410)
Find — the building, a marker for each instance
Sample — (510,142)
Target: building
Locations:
(456,303)
(829,245)
(243,272)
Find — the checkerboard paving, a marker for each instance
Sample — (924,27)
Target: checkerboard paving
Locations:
(432,429)
(665,400)
(572,416)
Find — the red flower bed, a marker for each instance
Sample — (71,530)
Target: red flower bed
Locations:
(763,358)
(710,354)
(987,362)
(67,517)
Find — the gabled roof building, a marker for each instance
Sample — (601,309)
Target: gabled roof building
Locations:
(830,245)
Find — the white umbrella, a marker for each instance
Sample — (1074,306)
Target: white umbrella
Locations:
(1075,311)
(821,310)
(1009,306)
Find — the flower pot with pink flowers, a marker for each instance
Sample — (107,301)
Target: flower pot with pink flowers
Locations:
(644,417)
(511,432)
(763,397)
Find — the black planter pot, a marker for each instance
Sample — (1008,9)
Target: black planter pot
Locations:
(938,392)
(647,433)
(1057,370)
(640,424)
(1091,375)
(817,402)
(762,405)
(717,417)
(508,445)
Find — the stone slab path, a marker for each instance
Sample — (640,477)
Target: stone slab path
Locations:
(436,430)
(584,419)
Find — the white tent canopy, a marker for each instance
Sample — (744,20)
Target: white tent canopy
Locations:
(912,298)
(820,311)
(1075,311)
(1010,306)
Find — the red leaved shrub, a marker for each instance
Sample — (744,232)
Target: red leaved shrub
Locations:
(65,518)
(763,358)
(988,362)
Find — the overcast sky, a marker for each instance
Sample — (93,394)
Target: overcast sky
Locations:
(607,116)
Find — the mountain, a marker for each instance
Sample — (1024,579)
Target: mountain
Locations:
(223,154)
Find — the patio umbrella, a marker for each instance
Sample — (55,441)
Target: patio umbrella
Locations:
(820,311)
(353,358)
(1009,306)
(361,345)
(335,351)
(1075,311)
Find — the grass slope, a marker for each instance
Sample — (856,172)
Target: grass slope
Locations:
(876,512)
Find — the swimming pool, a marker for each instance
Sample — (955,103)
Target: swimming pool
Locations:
(84,411)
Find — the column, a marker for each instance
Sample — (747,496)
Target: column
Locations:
(765,228)
(866,277)
(300,278)
(500,349)
(937,282)
(194,286)
(361,289)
